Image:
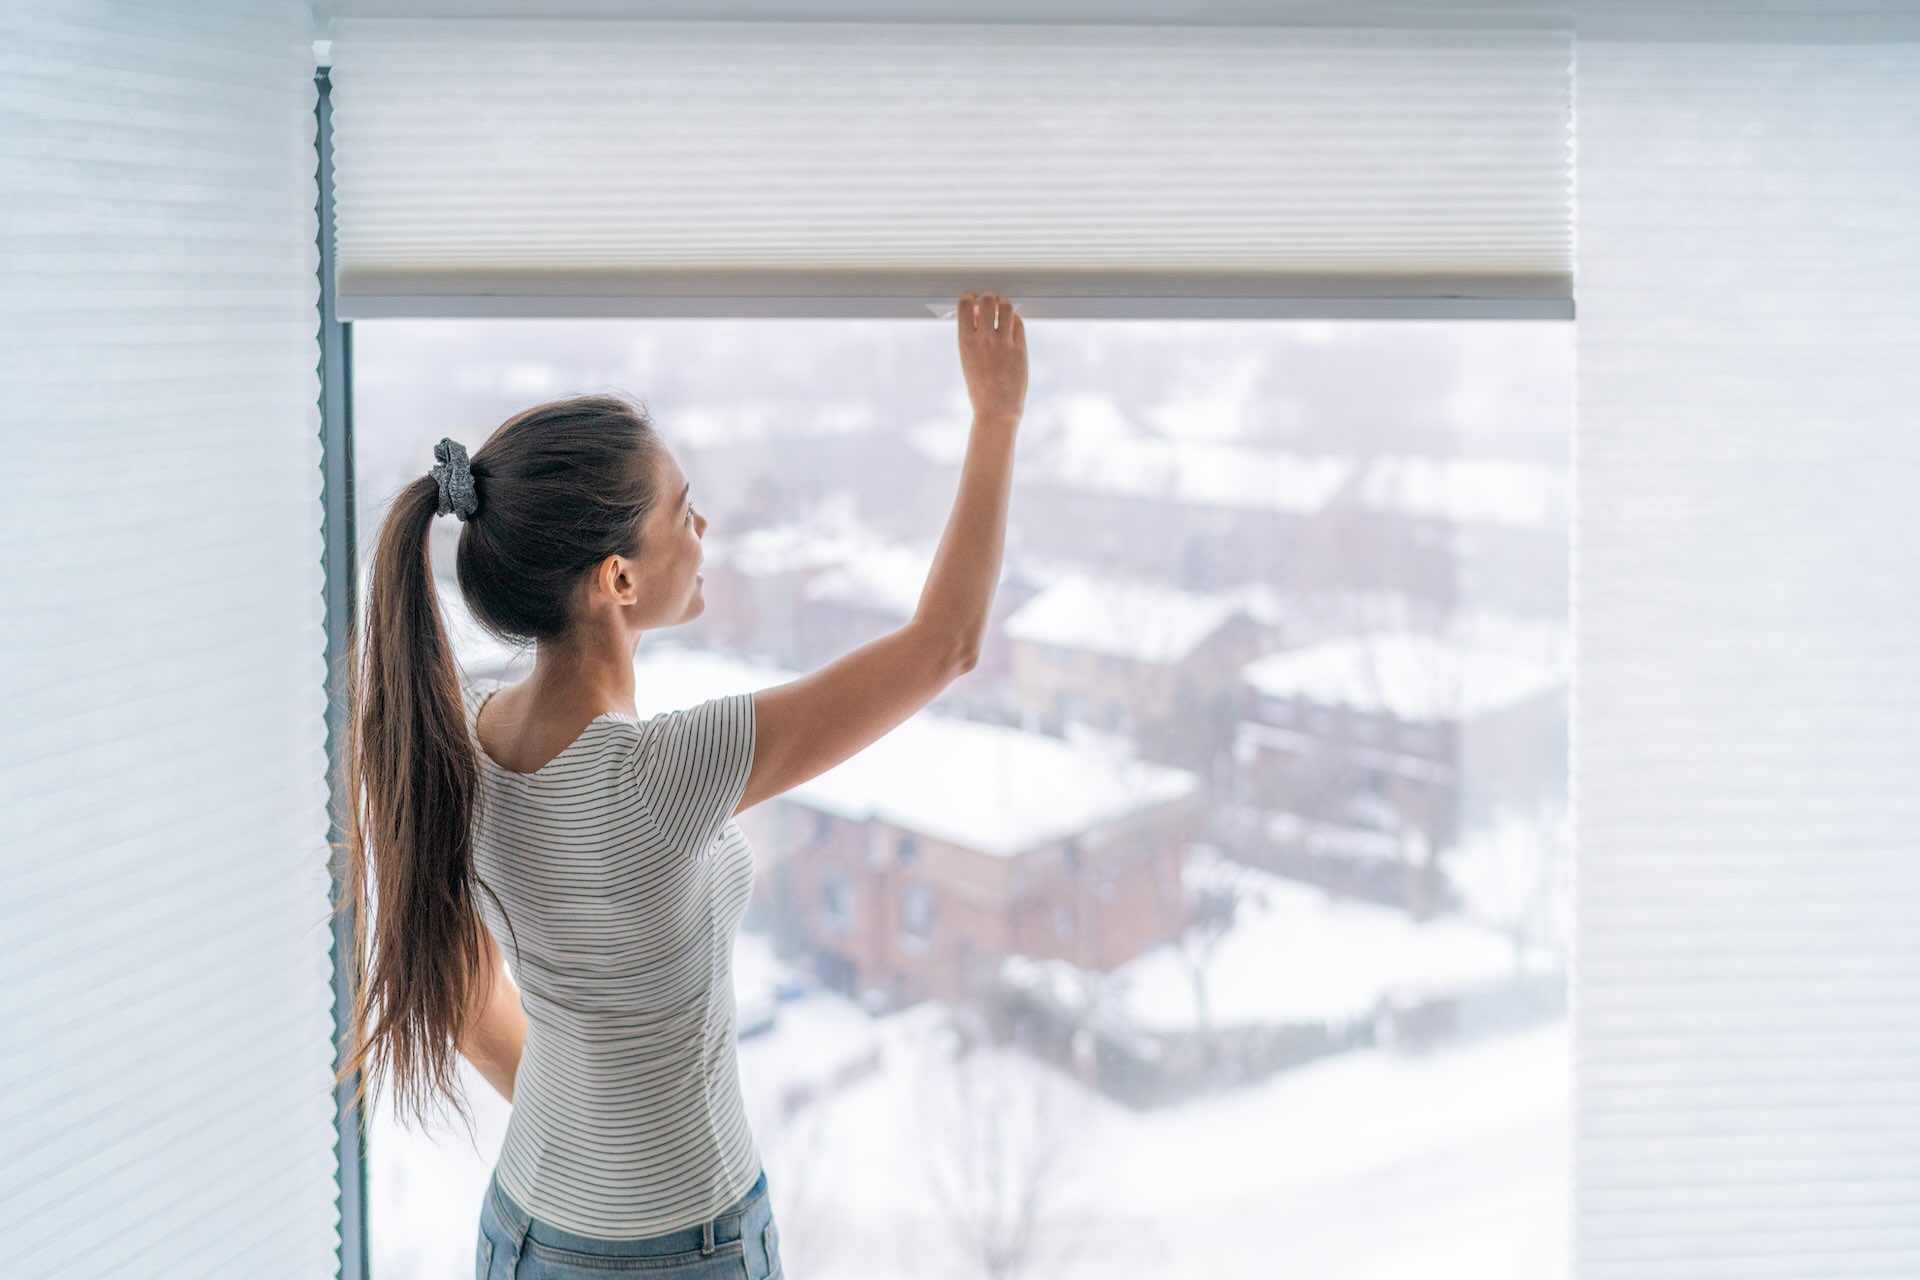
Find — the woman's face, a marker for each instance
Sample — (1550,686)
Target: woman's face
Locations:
(668,582)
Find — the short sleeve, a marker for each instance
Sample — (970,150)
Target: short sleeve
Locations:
(693,767)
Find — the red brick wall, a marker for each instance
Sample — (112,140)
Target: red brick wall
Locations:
(984,906)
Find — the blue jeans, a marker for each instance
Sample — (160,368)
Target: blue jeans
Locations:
(739,1243)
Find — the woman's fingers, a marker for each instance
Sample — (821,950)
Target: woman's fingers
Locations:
(972,309)
(985,313)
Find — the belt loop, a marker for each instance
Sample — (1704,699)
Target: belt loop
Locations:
(706,1237)
(515,1222)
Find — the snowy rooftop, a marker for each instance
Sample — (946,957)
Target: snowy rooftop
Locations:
(1414,677)
(829,534)
(856,564)
(707,426)
(887,576)
(1126,619)
(1275,605)
(987,787)
(1487,491)
(1085,441)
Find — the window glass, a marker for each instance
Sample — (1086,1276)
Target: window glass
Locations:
(1359,962)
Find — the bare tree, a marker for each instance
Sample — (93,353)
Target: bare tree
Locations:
(1514,876)
(1198,911)
(1004,1140)
(1195,907)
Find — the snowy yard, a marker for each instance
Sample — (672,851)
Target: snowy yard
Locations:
(1366,1165)
(1296,954)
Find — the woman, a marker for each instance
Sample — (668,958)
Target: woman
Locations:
(599,847)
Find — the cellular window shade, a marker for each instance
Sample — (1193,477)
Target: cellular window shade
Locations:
(489,166)
(165,984)
(1746,720)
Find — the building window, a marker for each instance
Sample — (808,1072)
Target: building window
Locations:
(1063,922)
(908,849)
(916,915)
(836,900)
(974,970)
(822,827)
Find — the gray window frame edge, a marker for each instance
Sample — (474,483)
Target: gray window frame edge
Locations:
(339,566)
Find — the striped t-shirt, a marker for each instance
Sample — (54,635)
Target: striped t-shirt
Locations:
(624,877)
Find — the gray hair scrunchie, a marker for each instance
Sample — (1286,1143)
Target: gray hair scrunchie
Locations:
(456,482)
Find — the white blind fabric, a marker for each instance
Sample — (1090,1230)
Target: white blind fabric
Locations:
(1746,720)
(581,166)
(165,1027)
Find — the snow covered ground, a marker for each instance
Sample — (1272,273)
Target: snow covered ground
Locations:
(1365,1166)
(1296,954)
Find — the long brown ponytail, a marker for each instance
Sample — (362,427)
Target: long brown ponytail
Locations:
(560,487)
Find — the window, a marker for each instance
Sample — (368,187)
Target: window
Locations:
(916,913)
(826,453)
(836,900)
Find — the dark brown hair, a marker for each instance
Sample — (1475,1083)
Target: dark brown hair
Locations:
(560,487)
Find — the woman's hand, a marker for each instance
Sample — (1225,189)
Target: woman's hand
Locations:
(993,356)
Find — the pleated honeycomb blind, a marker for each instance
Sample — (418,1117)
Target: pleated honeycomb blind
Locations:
(1746,715)
(165,1026)
(572,167)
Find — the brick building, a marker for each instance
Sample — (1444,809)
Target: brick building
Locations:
(912,869)
(1402,731)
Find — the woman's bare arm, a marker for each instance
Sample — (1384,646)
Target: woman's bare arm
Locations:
(809,725)
(498,1030)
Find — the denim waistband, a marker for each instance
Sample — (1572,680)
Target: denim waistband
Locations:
(723,1228)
